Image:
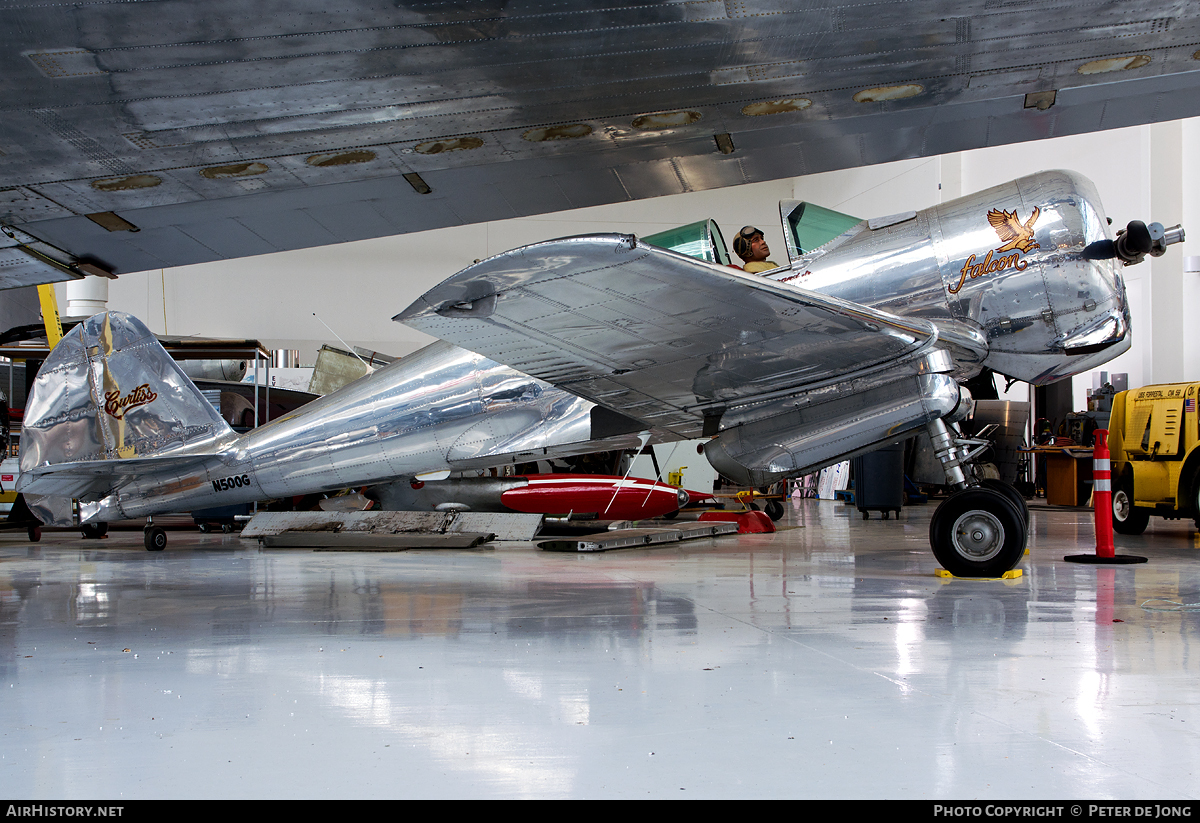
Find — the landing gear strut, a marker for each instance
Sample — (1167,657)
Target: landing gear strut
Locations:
(981,529)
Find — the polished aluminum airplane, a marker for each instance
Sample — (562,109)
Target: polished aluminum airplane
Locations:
(588,343)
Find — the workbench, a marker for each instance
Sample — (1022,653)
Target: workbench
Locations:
(1068,473)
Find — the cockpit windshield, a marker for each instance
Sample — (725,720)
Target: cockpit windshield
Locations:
(701,240)
(808,226)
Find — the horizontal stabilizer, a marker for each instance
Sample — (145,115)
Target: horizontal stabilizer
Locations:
(92,479)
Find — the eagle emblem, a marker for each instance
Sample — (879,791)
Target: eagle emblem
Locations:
(1012,232)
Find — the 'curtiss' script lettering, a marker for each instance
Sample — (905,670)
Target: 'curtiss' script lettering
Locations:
(118,406)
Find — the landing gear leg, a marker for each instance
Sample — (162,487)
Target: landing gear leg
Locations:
(980,530)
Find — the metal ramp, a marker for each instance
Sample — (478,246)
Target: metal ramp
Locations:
(388,531)
(637,538)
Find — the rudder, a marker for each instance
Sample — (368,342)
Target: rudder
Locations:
(110,391)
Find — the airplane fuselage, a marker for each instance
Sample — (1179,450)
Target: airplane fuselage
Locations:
(440,408)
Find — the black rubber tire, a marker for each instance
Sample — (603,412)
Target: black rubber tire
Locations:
(1011,493)
(1126,517)
(671,515)
(35,534)
(93,531)
(977,532)
(774,509)
(155,539)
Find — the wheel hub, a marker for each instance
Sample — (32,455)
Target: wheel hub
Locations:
(1121,505)
(978,535)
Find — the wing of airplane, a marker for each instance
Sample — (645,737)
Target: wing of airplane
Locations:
(27,261)
(668,340)
(167,132)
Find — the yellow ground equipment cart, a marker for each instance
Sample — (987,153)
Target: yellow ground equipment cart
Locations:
(1154,439)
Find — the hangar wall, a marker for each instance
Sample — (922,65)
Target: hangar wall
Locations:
(1144,172)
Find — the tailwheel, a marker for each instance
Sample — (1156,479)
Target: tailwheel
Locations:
(155,539)
(978,532)
(94,531)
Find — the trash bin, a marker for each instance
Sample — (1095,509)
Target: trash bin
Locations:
(879,481)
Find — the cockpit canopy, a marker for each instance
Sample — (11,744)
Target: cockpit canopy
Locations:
(806,226)
(701,240)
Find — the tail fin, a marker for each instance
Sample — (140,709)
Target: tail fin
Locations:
(110,392)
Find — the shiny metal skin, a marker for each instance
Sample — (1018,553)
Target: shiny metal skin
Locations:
(1044,314)
(842,424)
(806,365)
(666,339)
(168,450)
(225,133)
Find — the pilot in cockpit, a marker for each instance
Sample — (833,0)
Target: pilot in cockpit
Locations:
(751,246)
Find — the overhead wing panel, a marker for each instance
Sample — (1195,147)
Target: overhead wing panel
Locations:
(26,261)
(212,134)
(656,335)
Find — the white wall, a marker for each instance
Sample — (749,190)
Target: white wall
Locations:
(1146,173)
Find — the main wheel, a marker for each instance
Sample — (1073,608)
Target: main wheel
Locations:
(1126,517)
(1011,493)
(977,532)
(774,509)
(94,531)
(155,539)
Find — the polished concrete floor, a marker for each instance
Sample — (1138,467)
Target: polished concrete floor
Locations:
(825,660)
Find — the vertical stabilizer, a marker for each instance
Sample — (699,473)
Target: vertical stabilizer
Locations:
(109,391)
